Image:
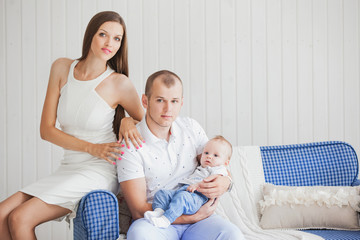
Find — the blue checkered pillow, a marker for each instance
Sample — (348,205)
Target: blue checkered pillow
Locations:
(97,217)
(310,164)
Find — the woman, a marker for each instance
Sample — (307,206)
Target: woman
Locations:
(83,95)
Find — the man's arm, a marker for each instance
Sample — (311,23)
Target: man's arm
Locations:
(135,196)
(215,185)
(195,186)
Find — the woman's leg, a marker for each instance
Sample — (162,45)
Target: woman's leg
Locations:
(23,219)
(6,207)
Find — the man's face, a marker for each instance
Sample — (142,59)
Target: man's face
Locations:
(164,104)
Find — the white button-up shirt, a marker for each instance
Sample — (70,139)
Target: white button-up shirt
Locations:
(163,164)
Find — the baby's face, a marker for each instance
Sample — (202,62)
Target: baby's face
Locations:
(215,153)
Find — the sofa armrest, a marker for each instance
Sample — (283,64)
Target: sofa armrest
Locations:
(97,216)
(356,182)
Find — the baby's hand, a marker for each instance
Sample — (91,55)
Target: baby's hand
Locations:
(192,188)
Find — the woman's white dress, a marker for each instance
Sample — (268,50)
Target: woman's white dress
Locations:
(83,114)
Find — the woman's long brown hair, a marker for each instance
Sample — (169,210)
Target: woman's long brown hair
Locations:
(119,63)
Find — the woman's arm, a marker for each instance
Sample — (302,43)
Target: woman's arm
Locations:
(134,192)
(130,101)
(49,132)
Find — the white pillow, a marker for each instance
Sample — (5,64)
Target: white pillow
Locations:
(313,207)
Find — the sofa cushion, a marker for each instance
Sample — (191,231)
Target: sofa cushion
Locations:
(310,164)
(309,207)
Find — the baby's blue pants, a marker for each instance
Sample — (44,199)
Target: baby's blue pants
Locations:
(178,202)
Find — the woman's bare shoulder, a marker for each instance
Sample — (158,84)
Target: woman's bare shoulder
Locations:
(61,64)
(60,70)
(120,81)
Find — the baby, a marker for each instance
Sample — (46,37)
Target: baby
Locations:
(168,205)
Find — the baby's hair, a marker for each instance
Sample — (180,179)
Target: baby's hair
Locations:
(221,138)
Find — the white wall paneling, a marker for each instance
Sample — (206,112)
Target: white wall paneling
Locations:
(3,105)
(227,69)
(150,39)
(320,71)
(258,69)
(289,71)
(135,33)
(196,80)
(212,70)
(29,104)
(351,71)
(244,103)
(335,69)
(259,72)
(166,34)
(14,90)
(274,74)
(304,70)
(74,32)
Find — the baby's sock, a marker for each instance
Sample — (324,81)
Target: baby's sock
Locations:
(156,213)
(161,222)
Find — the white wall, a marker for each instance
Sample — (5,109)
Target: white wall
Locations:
(259,72)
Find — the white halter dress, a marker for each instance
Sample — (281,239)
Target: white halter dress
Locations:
(83,114)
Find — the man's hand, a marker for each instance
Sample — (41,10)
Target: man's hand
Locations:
(205,211)
(214,186)
(192,187)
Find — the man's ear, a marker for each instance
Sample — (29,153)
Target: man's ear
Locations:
(144,100)
(182,101)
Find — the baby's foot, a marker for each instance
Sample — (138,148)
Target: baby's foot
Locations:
(159,212)
(156,213)
(161,222)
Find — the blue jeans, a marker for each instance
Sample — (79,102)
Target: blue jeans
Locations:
(211,228)
(178,202)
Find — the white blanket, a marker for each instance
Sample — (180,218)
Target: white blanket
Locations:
(241,206)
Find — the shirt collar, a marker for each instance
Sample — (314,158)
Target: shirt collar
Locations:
(174,130)
(150,137)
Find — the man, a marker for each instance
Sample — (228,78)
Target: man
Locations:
(172,147)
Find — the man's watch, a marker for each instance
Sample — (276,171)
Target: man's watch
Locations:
(231,184)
